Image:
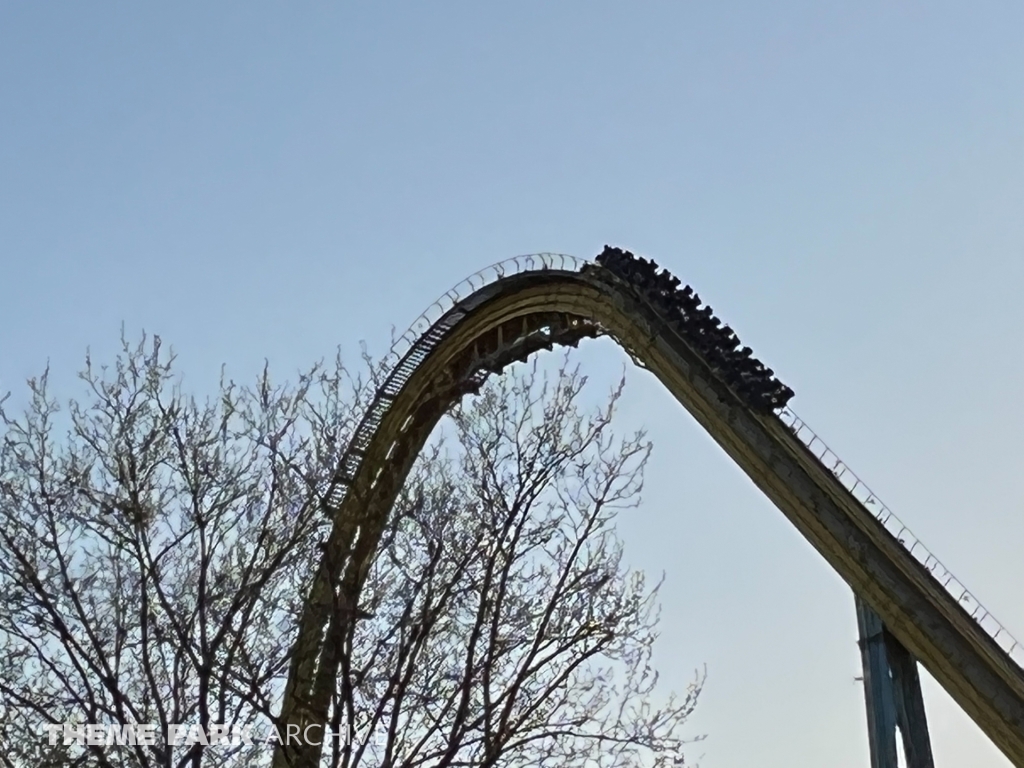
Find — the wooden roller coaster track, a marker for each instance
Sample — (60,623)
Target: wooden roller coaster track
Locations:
(507,312)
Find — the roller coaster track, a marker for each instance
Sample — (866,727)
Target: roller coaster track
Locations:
(506,312)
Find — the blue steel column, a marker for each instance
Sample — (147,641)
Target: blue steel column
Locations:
(910,717)
(892,692)
(878,688)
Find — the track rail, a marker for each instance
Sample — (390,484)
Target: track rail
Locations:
(904,536)
(510,309)
(419,340)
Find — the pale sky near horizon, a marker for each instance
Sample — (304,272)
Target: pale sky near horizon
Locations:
(843,182)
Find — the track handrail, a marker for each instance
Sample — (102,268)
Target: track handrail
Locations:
(424,334)
(903,535)
(417,338)
(531,262)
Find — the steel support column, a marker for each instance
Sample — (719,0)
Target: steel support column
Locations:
(878,689)
(910,717)
(892,693)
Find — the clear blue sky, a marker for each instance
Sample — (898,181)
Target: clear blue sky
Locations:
(844,182)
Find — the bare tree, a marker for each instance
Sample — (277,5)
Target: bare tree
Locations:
(157,550)
(154,549)
(507,631)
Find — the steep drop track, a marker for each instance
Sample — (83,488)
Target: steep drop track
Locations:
(507,312)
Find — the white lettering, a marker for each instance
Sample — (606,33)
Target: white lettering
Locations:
(196,735)
(173,733)
(218,734)
(95,735)
(145,734)
(121,735)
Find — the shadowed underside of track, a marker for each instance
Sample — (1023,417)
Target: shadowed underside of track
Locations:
(518,315)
